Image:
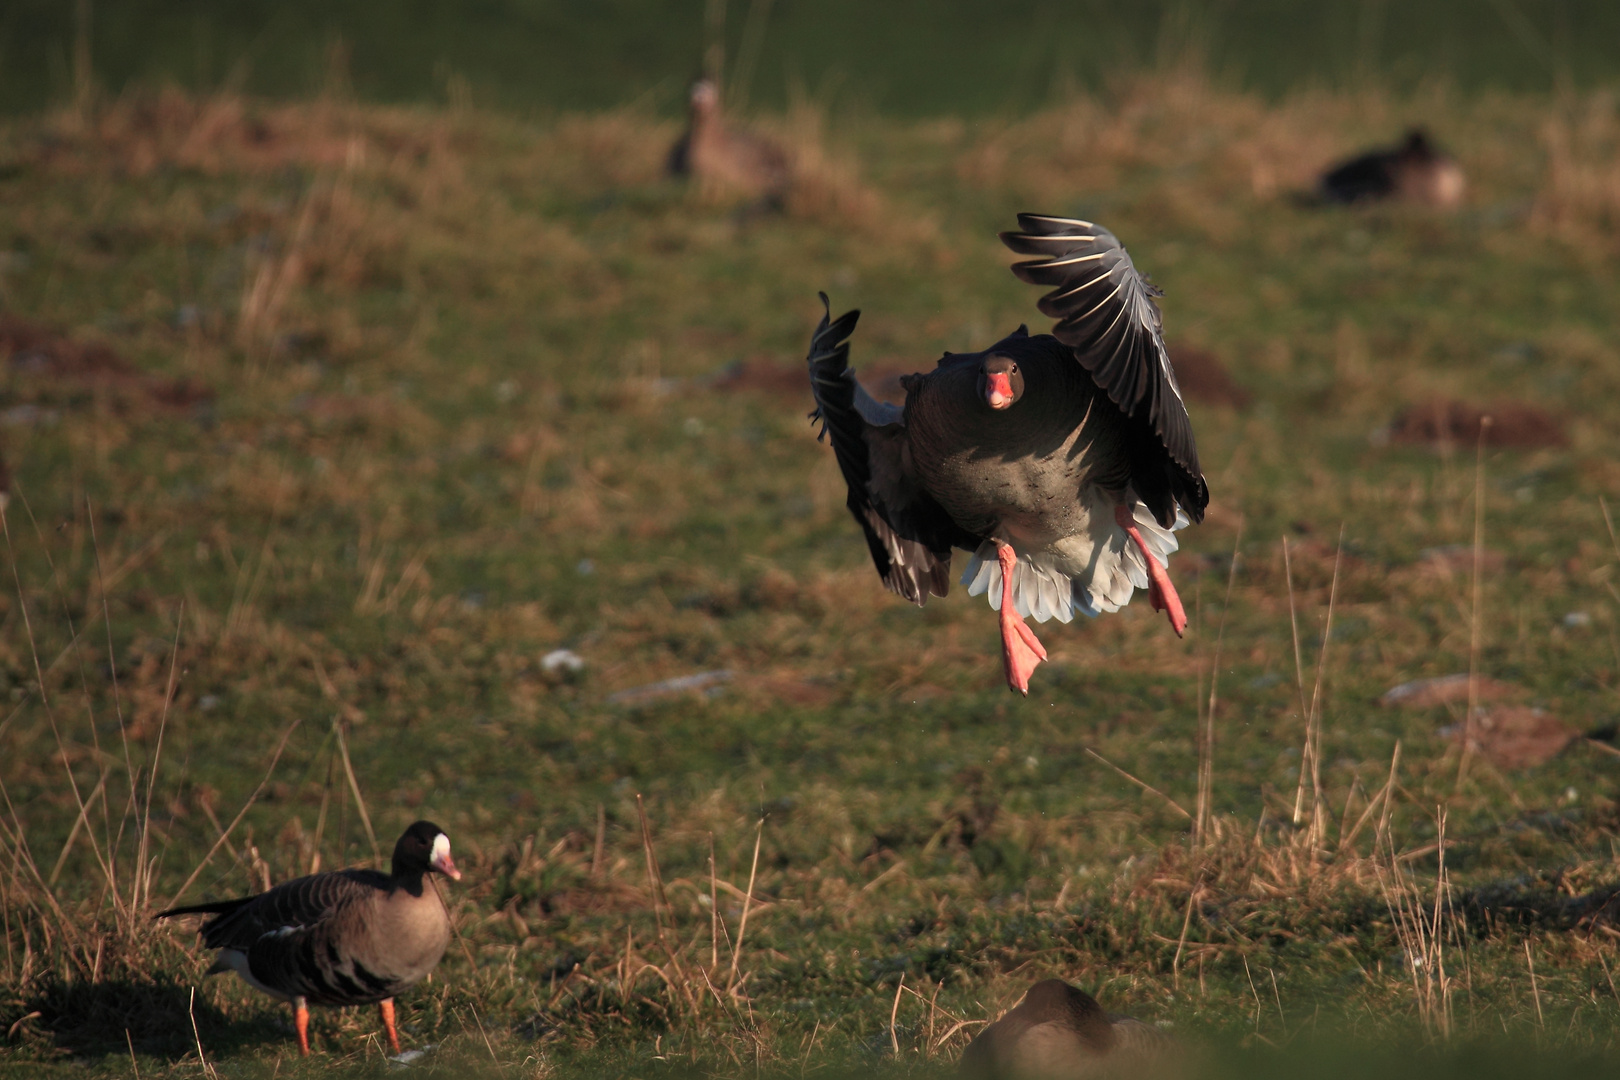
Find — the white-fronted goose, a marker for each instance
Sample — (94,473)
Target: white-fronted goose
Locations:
(729,159)
(1064,463)
(349,937)
(1058,1032)
(1415,171)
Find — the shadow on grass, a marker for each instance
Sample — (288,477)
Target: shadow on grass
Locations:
(154,1016)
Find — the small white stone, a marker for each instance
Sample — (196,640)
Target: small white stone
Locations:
(562,660)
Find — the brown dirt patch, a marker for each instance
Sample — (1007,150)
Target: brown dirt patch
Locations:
(1445,690)
(48,363)
(1517,736)
(1447,420)
(1203,377)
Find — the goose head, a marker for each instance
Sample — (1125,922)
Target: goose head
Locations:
(704,98)
(1001,384)
(422,849)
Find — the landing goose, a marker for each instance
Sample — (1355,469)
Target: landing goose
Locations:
(1414,171)
(726,158)
(1064,463)
(1058,1032)
(349,937)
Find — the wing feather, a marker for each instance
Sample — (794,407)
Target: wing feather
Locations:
(909,535)
(1118,338)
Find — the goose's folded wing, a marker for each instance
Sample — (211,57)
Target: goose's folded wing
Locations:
(1106,314)
(287,909)
(909,534)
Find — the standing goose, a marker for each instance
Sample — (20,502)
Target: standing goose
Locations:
(724,158)
(349,937)
(1064,463)
(1058,1032)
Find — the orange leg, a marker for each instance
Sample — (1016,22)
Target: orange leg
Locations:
(1020,649)
(301,1025)
(386,1007)
(1161,593)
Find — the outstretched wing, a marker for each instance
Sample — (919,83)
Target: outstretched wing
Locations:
(1106,314)
(909,534)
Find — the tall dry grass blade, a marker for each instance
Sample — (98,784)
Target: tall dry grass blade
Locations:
(748,903)
(39,674)
(487,1044)
(1471,717)
(1535,989)
(1381,800)
(1144,785)
(131,804)
(1206,741)
(894,1016)
(1186,924)
(1614,541)
(240,814)
(1419,932)
(601,839)
(134,1066)
(354,787)
(655,878)
(1299,681)
(141,890)
(1316,834)
(191,1010)
(1258,1008)
(320,816)
(78,824)
(714,911)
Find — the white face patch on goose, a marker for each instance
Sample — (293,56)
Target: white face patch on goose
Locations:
(440,859)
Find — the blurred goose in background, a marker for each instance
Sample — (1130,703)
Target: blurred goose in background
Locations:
(1415,171)
(729,160)
(1064,461)
(349,937)
(1058,1032)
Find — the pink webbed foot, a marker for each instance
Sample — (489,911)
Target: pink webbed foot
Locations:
(1021,650)
(1161,592)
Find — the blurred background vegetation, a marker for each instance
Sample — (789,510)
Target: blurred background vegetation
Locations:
(900,57)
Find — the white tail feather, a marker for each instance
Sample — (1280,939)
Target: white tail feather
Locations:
(1053,584)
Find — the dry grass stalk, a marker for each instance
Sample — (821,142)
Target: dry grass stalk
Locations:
(224,836)
(1143,784)
(354,789)
(1421,930)
(1535,990)
(1206,733)
(748,902)
(1310,760)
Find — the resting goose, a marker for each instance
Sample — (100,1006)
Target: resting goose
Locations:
(349,937)
(1064,463)
(726,158)
(1414,171)
(1058,1032)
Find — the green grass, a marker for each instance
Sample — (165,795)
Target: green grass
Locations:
(470,416)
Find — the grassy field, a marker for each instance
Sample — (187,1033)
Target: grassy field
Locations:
(328,423)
